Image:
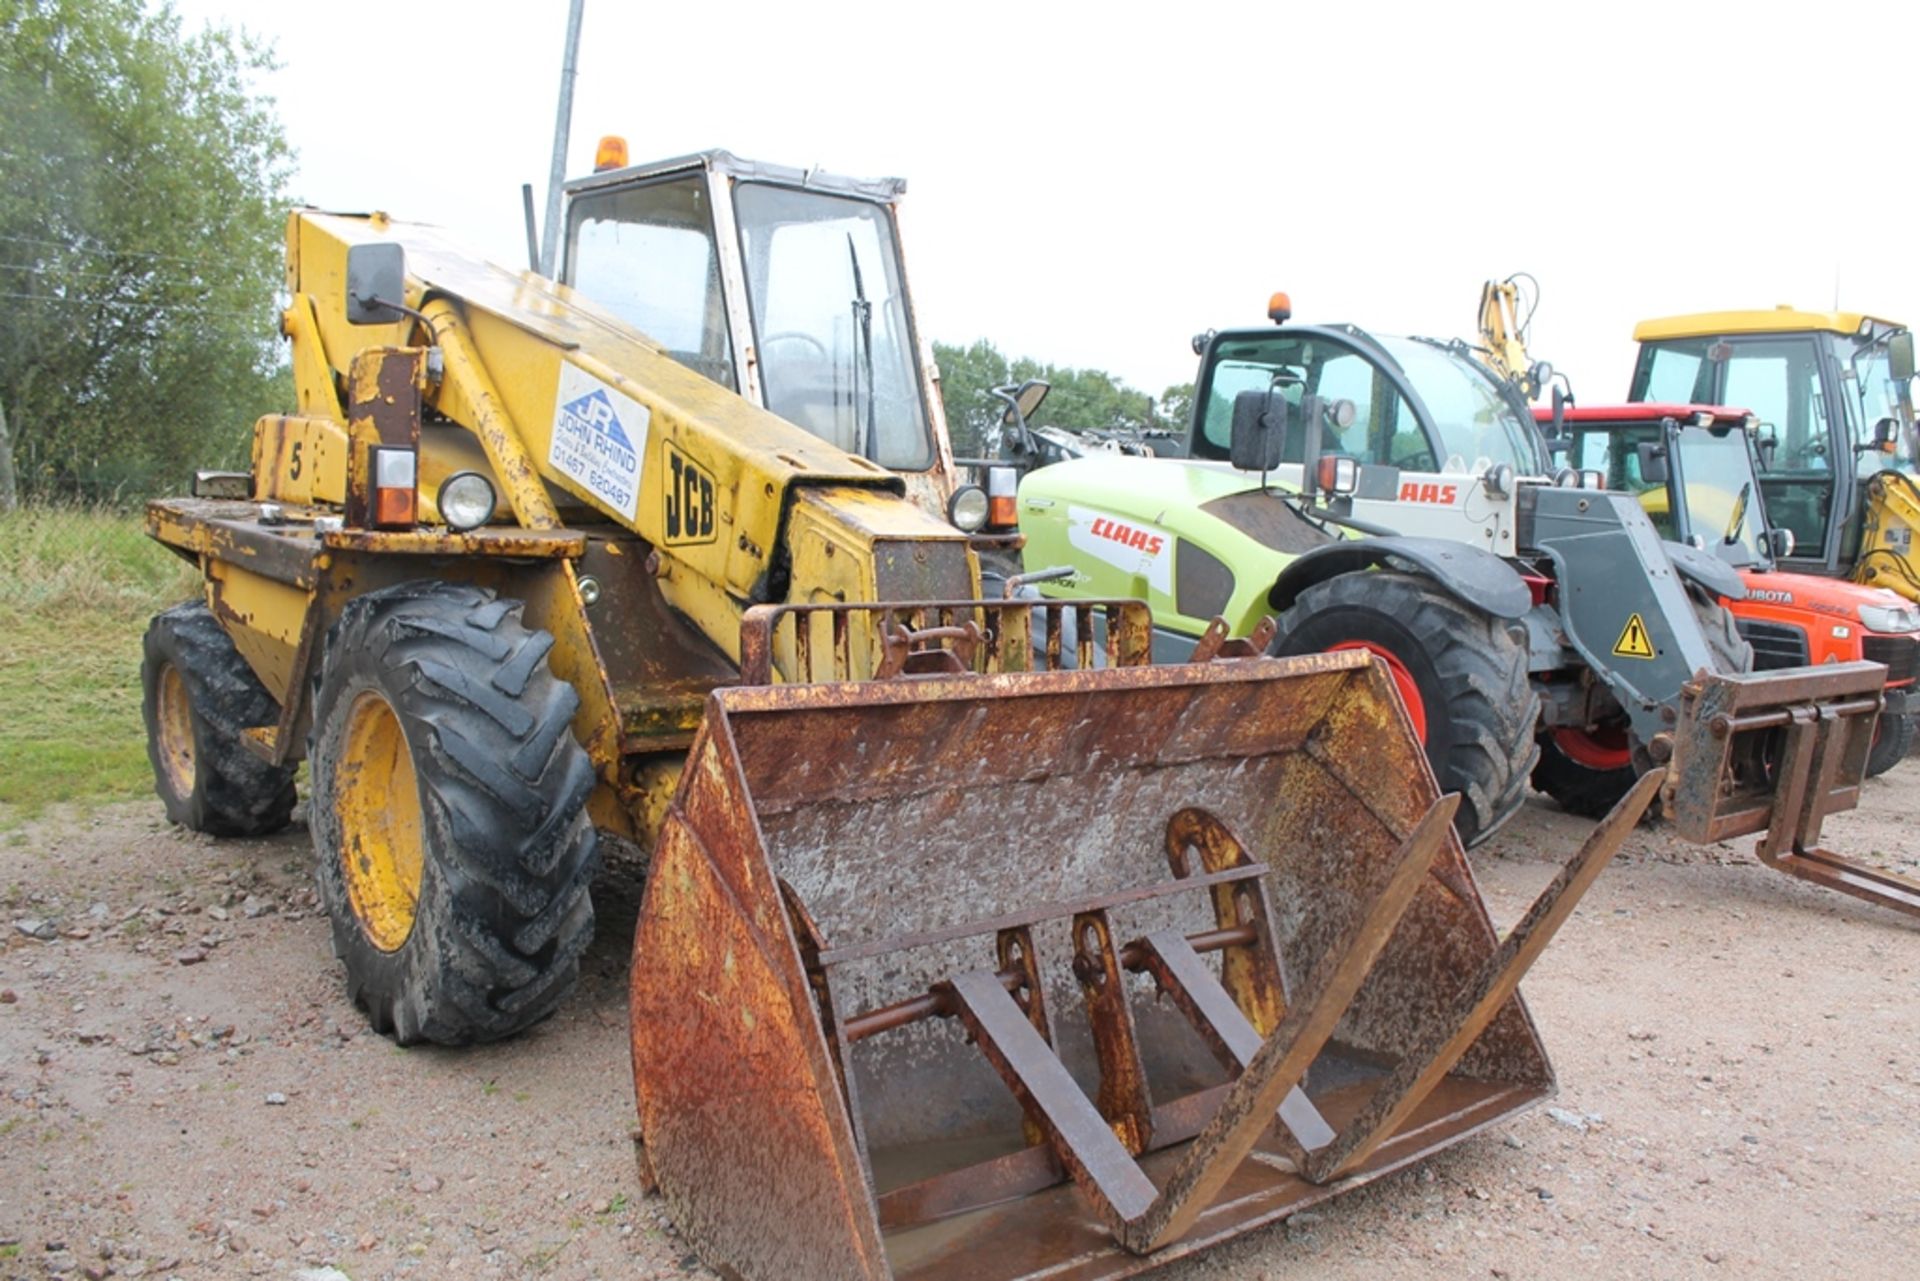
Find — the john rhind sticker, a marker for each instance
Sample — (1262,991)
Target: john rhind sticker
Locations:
(599,439)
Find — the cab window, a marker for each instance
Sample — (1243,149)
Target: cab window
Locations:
(1616,455)
(1779,381)
(1674,372)
(836,352)
(647,255)
(1385,429)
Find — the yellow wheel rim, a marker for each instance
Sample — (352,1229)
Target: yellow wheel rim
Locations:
(175,716)
(377,801)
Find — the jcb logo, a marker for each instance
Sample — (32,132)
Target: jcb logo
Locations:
(1127,536)
(689,500)
(1415,491)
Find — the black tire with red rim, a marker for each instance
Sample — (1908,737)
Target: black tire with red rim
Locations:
(1461,673)
(1586,771)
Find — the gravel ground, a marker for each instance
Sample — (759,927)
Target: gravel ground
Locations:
(185,1092)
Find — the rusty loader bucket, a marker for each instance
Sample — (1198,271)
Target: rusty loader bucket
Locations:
(1776,753)
(1063,973)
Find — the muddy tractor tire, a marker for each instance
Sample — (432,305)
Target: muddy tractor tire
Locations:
(1892,740)
(448,814)
(197,695)
(1462,674)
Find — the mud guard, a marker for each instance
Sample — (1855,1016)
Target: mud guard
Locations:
(1475,577)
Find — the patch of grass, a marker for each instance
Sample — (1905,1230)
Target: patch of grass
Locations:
(77,586)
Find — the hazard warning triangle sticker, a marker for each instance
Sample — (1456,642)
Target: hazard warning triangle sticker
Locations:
(1634,641)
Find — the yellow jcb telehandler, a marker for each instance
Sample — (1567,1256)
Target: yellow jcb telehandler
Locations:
(514,572)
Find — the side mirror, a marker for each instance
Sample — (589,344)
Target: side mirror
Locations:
(1653,461)
(1780,543)
(1557,427)
(1886,434)
(1028,397)
(1900,355)
(1259,431)
(376,279)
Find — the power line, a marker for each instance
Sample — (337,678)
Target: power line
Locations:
(130,306)
(137,281)
(189,290)
(71,247)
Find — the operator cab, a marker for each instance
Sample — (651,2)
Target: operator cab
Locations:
(1791,368)
(1418,405)
(786,286)
(1692,467)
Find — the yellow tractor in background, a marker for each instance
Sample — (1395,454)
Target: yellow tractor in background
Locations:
(1839,454)
(667,552)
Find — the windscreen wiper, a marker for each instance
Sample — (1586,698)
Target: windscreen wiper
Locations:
(1739,518)
(863,325)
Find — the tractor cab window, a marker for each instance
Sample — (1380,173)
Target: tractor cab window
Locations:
(1614,453)
(1779,381)
(1477,419)
(1385,427)
(647,255)
(1871,397)
(836,351)
(1675,373)
(1715,470)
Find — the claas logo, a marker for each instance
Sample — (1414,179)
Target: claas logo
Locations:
(1128,536)
(1420,491)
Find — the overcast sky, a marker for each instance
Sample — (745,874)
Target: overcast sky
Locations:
(1092,184)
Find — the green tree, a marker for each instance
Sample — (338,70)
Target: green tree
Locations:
(1176,407)
(141,208)
(1080,400)
(965,375)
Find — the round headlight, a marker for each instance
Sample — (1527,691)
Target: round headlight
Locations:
(465,500)
(967,509)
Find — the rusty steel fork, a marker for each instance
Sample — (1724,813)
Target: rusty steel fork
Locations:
(1102,1162)
(1776,753)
